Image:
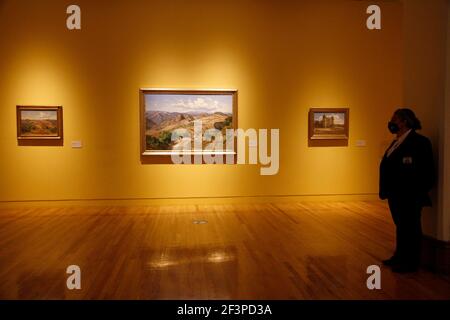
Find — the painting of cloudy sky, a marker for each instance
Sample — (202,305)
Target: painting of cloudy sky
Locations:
(38,115)
(186,103)
(338,118)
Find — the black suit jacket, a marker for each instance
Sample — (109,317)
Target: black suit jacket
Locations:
(408,173)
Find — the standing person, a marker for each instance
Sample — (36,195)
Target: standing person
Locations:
(406,177)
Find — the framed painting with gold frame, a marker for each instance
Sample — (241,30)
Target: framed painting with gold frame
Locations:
(39,123)
(164,111)
(328,125)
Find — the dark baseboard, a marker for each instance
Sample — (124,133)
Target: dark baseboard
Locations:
(436,255)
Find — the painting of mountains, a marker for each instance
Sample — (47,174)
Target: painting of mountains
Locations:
(165,112)
(34,122)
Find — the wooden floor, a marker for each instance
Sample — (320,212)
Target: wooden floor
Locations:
(265,251)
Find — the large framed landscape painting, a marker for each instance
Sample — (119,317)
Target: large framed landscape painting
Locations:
(329,126)
(165,111)
(39,123)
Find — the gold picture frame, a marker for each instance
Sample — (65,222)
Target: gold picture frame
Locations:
(328,126)
(165,110)
(39,123)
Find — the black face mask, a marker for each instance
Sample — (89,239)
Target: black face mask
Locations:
(393,127)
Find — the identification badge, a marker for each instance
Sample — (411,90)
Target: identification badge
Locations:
(407,160)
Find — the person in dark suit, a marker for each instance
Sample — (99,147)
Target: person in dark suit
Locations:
(406,177)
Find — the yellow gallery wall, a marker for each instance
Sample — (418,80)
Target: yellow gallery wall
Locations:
(425,26)
(283,57)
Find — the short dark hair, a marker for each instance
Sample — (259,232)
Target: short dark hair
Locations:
(409,117)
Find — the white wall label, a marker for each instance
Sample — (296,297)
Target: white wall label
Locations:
(77,144)
(73,21)
(374,20)
(361,143)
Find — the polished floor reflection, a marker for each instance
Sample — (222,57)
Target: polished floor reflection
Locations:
(307,250)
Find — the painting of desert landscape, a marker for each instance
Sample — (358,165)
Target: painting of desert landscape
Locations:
(38,122)
(329,124)
(166,112)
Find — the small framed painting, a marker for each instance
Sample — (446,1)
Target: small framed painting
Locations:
(328,125)
(39,123)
